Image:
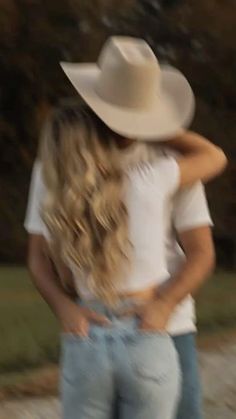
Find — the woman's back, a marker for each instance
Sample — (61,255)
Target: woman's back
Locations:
(150,180)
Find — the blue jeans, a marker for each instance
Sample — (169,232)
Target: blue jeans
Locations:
(190,406)
(119,363)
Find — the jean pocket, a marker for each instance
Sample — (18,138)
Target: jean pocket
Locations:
(153,356)
(76,358)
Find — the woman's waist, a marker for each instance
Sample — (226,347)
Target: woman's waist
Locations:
(124,305)
(137,287)
(142,295)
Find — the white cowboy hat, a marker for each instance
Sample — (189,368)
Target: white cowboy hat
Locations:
(133,94)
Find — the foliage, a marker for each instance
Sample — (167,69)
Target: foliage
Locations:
(197,37)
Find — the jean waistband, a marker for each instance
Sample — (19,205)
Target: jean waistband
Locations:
(122,306)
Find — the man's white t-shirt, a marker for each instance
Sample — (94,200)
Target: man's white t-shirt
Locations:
(185,210)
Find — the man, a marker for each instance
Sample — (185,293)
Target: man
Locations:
(189,268)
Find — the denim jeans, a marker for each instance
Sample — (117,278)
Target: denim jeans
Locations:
(190,406)
(119,363)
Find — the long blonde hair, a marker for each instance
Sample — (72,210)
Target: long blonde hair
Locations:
(84,207)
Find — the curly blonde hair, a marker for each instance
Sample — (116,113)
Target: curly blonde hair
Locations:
(84,207)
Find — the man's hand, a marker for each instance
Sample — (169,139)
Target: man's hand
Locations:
(76,319)
(154,315)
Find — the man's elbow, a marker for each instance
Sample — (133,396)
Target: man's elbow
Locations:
(221,160)
(212,262)
(204,258)
(36,257)
(208,260)
(33,264)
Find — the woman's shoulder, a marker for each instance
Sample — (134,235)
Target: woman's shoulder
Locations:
(157,167)
(165,167)
(161,152)
(162,157)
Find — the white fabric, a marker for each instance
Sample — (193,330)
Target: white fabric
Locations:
(189,209)
(33,222)
(156,213)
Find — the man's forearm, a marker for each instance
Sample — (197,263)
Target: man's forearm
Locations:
(192,274)
(46,281)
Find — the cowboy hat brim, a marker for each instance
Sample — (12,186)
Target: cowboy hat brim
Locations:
(172,111)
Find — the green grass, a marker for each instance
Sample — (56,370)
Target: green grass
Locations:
(29,331)
(216,303)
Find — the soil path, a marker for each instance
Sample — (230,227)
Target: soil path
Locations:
(218,370)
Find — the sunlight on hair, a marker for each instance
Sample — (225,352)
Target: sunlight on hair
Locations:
(84,208)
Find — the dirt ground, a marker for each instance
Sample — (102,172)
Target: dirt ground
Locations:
(218,370)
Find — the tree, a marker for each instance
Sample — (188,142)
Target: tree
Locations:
(197,37)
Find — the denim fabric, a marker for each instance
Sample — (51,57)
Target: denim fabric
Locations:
(190,406)
(139,370)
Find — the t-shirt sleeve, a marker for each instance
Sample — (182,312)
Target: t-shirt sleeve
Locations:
(190,208)
(33,222)
(169,173)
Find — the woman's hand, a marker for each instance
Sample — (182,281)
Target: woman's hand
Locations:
(76,319)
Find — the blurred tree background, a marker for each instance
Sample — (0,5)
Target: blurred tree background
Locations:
(198,37)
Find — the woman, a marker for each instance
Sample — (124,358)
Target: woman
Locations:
(104,211)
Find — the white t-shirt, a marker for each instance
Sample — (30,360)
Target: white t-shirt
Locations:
(156,209)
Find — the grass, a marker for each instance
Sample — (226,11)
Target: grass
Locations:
(29,331)
(216,303)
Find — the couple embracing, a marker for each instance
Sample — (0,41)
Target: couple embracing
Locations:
(120,236)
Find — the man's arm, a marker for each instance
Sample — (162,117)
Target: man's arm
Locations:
(45,276)
(44,273)
(192,221)
(199,159)
(200,260)
(199,250)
